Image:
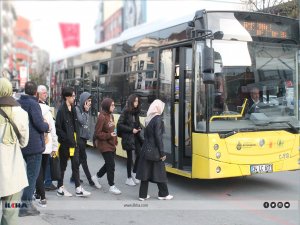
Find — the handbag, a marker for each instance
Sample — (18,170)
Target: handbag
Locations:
(55,168)
(150,152)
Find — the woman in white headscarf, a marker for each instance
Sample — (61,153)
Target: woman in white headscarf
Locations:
(13,176)
(153,170)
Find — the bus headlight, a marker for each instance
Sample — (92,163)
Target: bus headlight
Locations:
(218,155)
(218,169)
(216,147)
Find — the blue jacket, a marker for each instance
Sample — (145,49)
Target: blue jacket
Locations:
(37,126)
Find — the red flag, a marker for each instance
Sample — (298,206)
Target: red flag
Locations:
(70,34)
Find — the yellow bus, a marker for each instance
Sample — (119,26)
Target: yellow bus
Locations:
(206,68)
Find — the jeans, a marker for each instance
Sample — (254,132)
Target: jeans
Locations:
(40,186)
(108,167)
(48,180)
(33,165)
(10,216)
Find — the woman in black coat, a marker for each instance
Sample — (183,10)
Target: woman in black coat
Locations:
(129,128)
(148,170)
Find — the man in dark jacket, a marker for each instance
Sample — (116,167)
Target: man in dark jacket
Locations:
(68,134)
(32,153)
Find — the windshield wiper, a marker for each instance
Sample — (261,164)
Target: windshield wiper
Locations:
(293,128)
(235,131)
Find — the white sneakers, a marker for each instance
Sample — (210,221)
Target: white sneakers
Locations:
(130,182)
(80,192)
(143,199)
(96,181)
(62,192)
(168,197)
(133,176)
(114,190)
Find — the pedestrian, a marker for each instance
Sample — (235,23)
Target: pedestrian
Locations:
(105,139)
(32,153)
(12,166)
(153,171)
(51,146)
(42,95)
(67,132)
(129,127)
(82,112)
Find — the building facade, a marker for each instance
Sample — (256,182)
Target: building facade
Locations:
(8,19)
(116,16)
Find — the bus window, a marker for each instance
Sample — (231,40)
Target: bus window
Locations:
(103,68)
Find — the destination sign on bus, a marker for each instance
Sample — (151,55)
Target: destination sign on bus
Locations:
(270,30)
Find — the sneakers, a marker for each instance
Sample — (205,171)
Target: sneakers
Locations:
(133,176)
(114,190)
(30,211)
(36,197)
(62,192)
(168,197)
(80,192)
(96,181)
(42,203)
(52,187)
(143,199)
(130,182)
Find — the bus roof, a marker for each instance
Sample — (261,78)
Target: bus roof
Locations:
(130,33)
(140,30)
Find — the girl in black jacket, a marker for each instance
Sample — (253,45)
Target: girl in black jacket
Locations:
(129,127)
(149,170)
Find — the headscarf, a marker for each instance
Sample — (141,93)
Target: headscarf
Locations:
(156,108)
(6,98)
(6,103)
(105,105)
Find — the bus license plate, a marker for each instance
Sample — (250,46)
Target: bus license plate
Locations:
(265,168)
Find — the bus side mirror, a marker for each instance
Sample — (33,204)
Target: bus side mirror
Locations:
(208,65)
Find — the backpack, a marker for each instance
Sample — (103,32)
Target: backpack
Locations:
(119,133)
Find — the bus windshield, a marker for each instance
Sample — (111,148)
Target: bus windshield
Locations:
(262,73)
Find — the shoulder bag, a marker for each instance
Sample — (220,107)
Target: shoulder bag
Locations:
(150,152)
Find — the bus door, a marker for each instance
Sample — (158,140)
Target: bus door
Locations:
(182,107)
(175,90)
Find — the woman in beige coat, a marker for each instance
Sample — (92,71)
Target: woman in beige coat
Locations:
(13,176)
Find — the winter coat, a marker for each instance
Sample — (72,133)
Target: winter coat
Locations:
(153,171)
(65,125)
(104,127)
(83,117)
(126,123)
(37,126)
(13,176)
(52,144)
